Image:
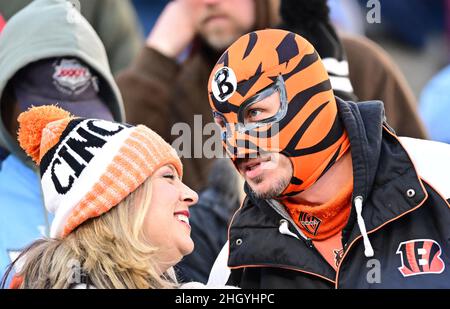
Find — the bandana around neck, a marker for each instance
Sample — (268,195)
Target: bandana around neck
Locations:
(320,222)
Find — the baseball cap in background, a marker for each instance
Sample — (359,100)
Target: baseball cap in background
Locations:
(2,23)
(66,82)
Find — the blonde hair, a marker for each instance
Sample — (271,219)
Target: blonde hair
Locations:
(111,250)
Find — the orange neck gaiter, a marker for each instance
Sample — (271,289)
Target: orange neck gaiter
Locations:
(323,221)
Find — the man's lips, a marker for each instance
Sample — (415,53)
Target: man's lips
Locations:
(249,164)
(214,17)
(252,168)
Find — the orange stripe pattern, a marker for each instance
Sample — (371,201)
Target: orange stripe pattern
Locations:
(310,133)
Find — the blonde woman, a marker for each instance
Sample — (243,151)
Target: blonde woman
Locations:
(121,210)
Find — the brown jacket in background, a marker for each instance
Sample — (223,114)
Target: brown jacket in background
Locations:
(375,76)
(158,92)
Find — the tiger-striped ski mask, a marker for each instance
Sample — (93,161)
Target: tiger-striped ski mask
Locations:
(302,123)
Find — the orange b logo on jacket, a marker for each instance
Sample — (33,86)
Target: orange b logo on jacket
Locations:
(420,257)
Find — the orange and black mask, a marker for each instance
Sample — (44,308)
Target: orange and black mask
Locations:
(300,120)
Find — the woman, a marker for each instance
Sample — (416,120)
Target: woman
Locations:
(121,210)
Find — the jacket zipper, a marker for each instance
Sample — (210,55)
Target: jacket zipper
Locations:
(275,206)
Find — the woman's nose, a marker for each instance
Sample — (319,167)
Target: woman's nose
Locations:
(189,196)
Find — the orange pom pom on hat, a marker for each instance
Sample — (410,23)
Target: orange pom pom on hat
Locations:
(88,166)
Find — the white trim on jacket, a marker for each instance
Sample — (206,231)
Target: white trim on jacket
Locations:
(432,162)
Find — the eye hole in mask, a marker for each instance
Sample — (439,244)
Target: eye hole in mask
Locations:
(261,111)
(266,107)
(220,120)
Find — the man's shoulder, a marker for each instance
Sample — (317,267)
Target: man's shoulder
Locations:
(432,162)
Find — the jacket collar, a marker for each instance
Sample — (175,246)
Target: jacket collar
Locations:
(255,240)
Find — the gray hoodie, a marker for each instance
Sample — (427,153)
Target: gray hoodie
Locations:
(48,29)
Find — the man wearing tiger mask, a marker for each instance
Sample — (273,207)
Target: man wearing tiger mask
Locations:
(330,188)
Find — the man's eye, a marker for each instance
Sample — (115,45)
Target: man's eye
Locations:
(253,113)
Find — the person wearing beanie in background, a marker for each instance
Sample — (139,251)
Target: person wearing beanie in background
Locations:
(45,58)
(330,188)
(115,22)
(121,210)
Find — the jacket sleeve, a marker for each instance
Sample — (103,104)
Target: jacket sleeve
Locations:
(147,86)
(220,272)
(375,76)
(431,162)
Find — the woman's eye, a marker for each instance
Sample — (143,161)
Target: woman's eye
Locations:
(169,176)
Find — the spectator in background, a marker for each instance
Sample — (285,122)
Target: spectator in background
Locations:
(114,21)
(346,16)
(373,74)
(148,12)
(44,59)
(425,17)
(311,20)
(435,106)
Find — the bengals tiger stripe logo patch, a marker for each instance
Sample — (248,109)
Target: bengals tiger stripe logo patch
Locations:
(309,222)
(420,257)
